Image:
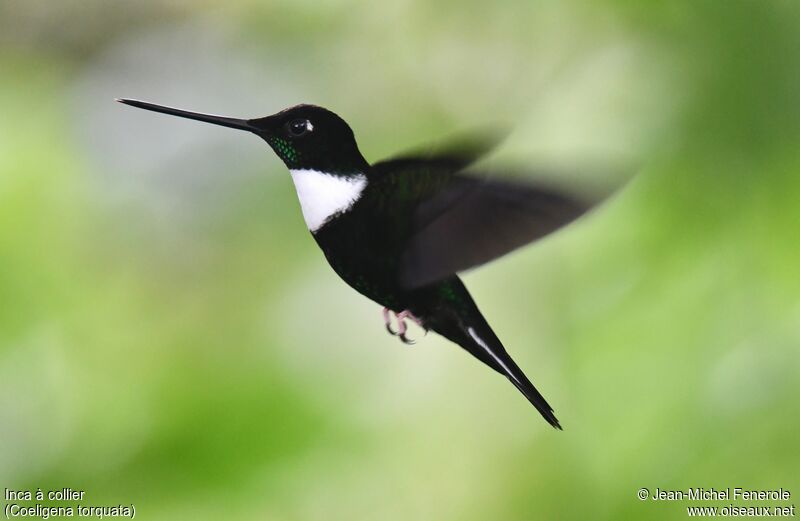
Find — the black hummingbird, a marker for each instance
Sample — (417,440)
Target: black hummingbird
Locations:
(398,231)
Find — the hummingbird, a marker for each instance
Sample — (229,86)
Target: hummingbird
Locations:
(399,231)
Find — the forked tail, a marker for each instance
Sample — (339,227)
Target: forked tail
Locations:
(472,332)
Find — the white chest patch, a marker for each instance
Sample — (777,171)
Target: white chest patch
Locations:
(324,195)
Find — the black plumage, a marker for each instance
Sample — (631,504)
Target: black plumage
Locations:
(413,223)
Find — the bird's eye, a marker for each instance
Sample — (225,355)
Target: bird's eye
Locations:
(299,127)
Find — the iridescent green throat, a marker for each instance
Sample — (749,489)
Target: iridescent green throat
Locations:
(285,150)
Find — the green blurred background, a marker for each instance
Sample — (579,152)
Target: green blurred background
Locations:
(171,337)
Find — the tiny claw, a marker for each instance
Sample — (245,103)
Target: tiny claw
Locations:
(387,321)
(407,341)
(402,327)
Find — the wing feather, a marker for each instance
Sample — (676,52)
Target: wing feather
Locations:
(456,220)
(473,221)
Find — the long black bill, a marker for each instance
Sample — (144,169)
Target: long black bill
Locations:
(240,124)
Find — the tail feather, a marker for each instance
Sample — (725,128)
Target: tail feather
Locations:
(505,365)
(474,334)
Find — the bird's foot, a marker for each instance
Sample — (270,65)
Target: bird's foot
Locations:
(402,328)
(387,321)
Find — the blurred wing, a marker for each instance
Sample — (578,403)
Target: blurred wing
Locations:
(450,156)
(460,220)
(469,221)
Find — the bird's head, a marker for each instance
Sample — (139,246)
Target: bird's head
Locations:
(305,137)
